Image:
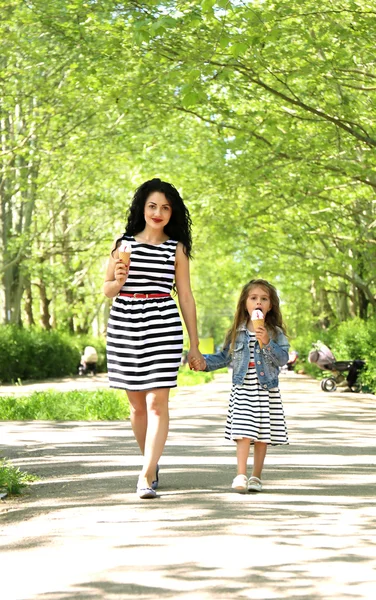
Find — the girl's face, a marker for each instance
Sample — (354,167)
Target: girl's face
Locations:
(157,211)
(258,297)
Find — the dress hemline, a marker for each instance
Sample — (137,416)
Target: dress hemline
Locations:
(147,389)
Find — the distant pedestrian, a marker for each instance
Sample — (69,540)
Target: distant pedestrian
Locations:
(257,350)
(144,333)
(89,361)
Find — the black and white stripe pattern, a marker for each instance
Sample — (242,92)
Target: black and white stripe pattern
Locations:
(145,335)
(255,413)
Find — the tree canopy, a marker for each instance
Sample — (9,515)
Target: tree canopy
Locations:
(260,112)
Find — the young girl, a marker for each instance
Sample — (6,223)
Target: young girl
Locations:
(144,333)
(255,413)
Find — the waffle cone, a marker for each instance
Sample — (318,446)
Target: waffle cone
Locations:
(258,323)
(125,256)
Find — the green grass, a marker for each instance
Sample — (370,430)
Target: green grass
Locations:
(188,377)
(99,405)
(12,479)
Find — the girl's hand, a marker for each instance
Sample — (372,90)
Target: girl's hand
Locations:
(198,365)
(262,335)
(196,361)
(121,272)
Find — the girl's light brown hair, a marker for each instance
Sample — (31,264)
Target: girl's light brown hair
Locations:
(273,318)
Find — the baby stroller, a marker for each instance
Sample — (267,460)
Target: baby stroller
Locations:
(323,357)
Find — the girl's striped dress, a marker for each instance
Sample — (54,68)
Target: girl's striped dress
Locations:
(254,412)
(145,335)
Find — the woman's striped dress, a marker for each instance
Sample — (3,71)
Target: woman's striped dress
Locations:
(145,335)
(255,413)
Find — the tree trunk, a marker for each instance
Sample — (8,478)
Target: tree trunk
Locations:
(29,304)
(363,304)
(18,192)
(342,302)
(45,317)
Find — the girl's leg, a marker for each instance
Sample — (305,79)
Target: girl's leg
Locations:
(258,458)
(138,416)
(242,453)
(156,433)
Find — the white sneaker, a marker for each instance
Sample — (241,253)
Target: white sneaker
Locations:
(254,484)
(240,484)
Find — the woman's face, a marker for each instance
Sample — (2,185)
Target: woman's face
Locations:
(157,211)
(258,297)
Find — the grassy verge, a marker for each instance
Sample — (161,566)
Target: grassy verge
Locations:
(100,405)
(188,377)
(12,479)
(79,405)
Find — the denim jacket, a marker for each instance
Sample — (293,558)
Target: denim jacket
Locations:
(267,359)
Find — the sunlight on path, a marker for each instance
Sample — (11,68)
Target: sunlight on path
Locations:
(80,532)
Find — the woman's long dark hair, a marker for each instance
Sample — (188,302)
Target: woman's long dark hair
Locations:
(273,318)
(179,226)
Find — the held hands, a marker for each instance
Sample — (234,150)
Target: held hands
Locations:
(121,272)
(196,361)
(262,335)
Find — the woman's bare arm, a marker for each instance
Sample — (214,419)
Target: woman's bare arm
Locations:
(187,303)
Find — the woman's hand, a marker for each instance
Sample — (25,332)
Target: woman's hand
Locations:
(198,365)
(195,360)
(121,272)
(262,335)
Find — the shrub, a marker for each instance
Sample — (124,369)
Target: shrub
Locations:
(39,354)
(350,340)
(357,339)
(12,479)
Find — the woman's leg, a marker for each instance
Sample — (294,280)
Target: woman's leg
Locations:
(138,416)
(258,458)
(242,453)
(157,431)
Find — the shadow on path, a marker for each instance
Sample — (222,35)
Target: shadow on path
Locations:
(81,532)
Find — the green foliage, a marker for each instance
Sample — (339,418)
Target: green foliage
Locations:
(187,377)
(354,339)
(351,340)
(38,354)
(12,479)
(100,405)
(260,113)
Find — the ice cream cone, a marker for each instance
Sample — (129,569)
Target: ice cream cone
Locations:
(257,320)
(258,323)
(125,257)
(125,252)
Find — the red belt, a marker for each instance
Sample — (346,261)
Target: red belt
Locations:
(251,364)
(144,295)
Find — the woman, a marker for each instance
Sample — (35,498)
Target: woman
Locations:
(144,334)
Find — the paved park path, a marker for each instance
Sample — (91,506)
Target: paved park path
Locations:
(80,532)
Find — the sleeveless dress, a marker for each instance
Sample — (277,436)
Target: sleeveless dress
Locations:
(254,412)
(145,335)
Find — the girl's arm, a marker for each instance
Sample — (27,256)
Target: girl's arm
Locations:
(187,304)
(218,360)
(116,275)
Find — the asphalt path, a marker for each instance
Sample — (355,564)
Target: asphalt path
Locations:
(81,532)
